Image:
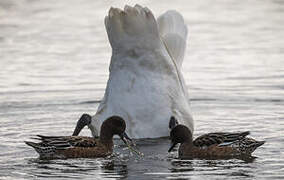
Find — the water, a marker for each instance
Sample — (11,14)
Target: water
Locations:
(54,58)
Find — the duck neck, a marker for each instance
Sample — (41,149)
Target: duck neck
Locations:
(185,149)
(106,137)
(188,141)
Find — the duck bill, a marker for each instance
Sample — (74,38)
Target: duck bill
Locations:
(129,143)
(172,146)
(125,138)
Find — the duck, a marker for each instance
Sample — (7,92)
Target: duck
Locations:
(211,145)
(63,147)
(145,84)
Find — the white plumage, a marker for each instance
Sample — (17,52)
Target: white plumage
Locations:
(173,32)
(145,84)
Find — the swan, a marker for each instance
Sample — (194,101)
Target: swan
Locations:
(145,86)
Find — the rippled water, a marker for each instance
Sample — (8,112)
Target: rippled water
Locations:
(54,58)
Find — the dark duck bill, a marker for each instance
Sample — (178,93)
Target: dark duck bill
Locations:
(173,145)
(130,144)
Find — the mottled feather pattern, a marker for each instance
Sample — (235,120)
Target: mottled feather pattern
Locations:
(67,146)
(53,147)
(225,144)
(42,148)
(68,141)
(218,138)
(212,145)
(247,145)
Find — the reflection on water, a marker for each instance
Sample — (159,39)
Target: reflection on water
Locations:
(55,55)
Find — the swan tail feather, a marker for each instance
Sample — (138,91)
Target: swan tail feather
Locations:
(132,28)
(173,32)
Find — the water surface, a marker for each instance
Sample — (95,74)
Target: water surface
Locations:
(54,58)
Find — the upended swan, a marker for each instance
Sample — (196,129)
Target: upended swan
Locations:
(145,85)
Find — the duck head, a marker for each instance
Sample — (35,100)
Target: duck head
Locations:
(114,125)
(180,134)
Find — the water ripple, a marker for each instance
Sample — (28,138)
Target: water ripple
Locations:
(55,57)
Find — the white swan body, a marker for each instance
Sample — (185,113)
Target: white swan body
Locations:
(145,85)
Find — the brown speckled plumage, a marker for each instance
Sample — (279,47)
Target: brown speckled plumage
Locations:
(212,145)
(53,147)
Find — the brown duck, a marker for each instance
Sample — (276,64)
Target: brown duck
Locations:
(211,145)
(54,147)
